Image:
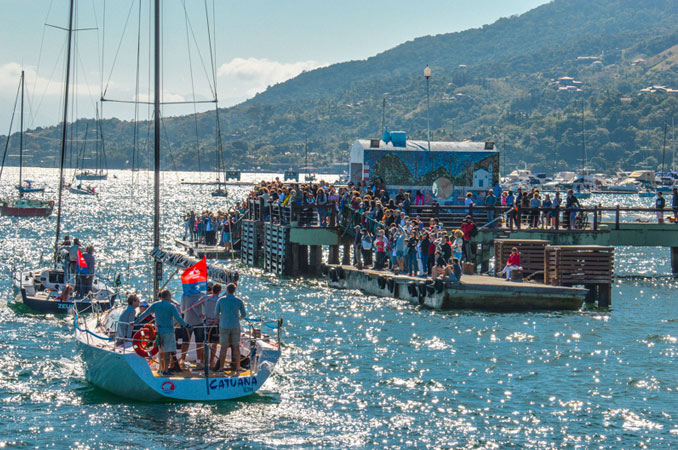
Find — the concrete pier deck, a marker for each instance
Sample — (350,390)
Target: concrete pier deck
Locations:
(474,291)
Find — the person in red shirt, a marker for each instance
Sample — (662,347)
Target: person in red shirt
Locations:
(467,227)
(512,263)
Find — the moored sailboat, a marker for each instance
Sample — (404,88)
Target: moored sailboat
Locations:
(21,206)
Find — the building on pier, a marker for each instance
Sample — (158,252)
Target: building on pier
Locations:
(444,174)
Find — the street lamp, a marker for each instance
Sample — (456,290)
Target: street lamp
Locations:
(427,75)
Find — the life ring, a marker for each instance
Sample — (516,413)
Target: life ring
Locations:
(143,342)
(51,203)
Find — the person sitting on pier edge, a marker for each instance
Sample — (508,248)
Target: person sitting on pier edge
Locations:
(438,268)
(230,309)
(660,203)
(453,272)
(126,321)
(164,313)
(512,263)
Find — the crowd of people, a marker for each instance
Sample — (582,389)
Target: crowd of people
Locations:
(210,228)
(209,319)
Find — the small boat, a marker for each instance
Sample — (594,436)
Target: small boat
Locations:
(39,290)
(27,187)
(25,207)
(82,190)
(95,175)
(117,367)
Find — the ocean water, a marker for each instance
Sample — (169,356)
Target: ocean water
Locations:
(357,371)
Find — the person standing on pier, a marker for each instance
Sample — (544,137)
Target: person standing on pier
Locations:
(674,205)
(490,203)
(380,246)
(660,204)
(356,247)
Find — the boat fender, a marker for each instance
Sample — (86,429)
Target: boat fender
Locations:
(144,343)
(422,290)
(382,282)
(439,286)
(412,289)
(391,285)
(333,275)
(340,272)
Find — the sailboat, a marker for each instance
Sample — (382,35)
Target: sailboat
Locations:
(76,186)
(22,206)
(120,368)
(48,290)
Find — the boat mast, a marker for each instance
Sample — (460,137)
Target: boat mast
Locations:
(666,129)
(157,275)
(21,138)
(63,131)
(583,138)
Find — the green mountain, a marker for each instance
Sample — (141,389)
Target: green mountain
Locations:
(499,83)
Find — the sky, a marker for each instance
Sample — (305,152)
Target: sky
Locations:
(253,44)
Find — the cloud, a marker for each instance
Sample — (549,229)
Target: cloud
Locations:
(242,78)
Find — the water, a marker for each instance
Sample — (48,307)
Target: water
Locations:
(356,371)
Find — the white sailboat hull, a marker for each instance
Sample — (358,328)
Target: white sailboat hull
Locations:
(129,375)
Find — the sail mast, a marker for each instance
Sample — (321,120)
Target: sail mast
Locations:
(21,138)
(157,275)
(63,131)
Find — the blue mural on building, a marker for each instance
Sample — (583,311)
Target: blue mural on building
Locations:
(468,169)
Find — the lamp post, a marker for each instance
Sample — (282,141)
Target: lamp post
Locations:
(427,75)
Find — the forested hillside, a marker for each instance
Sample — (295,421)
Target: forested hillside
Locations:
(499,83)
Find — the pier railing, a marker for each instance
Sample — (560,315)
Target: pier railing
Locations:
(503,217)
(292,214)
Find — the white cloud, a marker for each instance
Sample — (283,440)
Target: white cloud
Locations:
(242,78)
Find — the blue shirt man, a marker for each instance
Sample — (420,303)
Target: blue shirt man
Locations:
(230,309)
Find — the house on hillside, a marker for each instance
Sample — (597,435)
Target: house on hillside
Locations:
(407,164)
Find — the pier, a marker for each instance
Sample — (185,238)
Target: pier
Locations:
(559,265)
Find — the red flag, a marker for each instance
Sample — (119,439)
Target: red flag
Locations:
(194,279)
